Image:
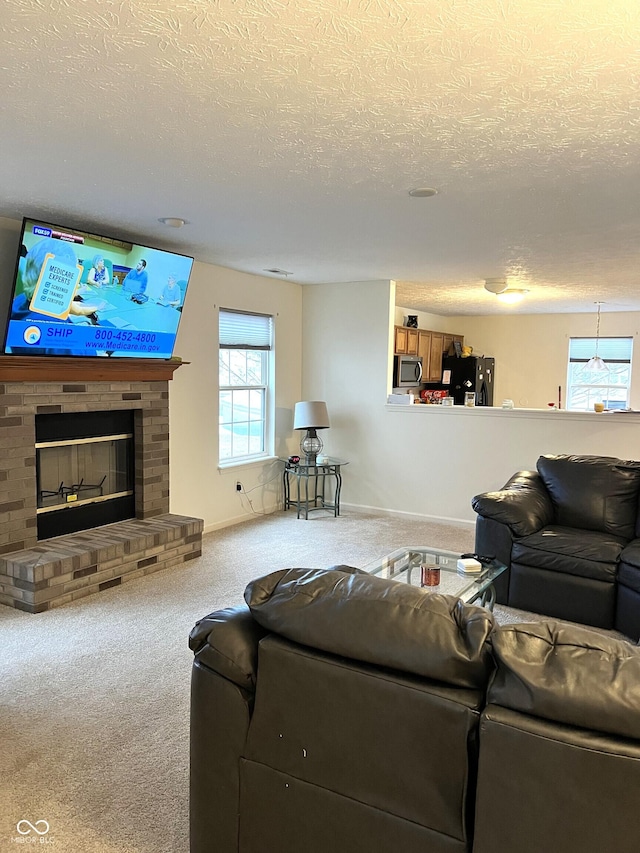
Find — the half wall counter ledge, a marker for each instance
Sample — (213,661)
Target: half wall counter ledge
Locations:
(548,414)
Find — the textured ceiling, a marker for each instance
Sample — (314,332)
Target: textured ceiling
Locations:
(289,133)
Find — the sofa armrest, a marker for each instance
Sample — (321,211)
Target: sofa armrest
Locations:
(523,504)
(226,642)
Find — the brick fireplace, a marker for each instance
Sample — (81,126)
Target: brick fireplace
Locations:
(36,575)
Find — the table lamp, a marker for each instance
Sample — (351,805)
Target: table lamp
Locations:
(311,415)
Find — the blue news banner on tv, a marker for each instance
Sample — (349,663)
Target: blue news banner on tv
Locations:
(88,340)
(78,294)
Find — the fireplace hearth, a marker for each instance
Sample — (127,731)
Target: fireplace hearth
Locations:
(51,481)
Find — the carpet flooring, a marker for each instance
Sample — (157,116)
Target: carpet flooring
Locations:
(94,723)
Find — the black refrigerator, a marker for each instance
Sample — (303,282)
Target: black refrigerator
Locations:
(474,373)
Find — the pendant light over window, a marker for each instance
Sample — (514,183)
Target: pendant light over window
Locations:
(595,362)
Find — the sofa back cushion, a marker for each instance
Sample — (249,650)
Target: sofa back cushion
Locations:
(378,621)
(592,492)
(568,674)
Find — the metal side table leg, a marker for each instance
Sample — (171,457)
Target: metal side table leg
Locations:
(336,503)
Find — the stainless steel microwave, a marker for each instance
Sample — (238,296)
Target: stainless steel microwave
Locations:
(407,371)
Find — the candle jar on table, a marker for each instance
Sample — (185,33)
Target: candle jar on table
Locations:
(429,574)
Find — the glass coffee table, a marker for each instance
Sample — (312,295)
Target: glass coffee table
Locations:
(436,571)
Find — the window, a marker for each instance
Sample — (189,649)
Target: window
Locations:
(244,380)
(610,386)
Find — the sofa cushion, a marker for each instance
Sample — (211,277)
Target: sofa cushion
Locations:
(568,674)
(592,492)
(378,621)
(629,568)
(631,554)
(629,576)
(584,553)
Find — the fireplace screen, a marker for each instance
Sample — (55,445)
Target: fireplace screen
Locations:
(83,471)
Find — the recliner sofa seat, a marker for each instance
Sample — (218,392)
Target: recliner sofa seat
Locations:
(568,534)
(342,713)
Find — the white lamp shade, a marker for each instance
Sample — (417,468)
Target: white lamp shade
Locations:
(595,363)
(312,414)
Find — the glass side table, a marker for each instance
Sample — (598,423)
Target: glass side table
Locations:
(311,483)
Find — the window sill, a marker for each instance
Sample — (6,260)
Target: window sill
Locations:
(232,464)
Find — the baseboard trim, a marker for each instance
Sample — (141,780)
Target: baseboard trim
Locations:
(436,519)
(397,513)
(238,519)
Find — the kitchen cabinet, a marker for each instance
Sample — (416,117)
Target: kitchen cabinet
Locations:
(406,341)
(447,348)
(424,351)
(428,345)
(434,374)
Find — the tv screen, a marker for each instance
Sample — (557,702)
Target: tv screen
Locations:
(79,294)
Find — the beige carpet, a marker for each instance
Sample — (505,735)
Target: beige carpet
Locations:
(95,695)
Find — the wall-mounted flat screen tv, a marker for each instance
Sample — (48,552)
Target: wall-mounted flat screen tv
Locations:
(80,294)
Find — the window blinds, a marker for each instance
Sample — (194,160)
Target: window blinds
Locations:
(610,349)
(240,330)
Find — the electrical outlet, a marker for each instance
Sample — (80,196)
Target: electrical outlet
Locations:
(238,486)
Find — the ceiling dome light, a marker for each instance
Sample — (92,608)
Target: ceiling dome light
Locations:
(172,221)
(276,271)
(495,285)
(512,295)
(423,192)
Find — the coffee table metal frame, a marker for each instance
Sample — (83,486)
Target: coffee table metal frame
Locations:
(404,565)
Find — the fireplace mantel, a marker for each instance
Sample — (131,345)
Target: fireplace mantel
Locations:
(18,368)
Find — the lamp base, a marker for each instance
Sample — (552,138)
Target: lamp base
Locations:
(310,446)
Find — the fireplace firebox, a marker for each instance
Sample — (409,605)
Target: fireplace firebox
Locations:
(84,470)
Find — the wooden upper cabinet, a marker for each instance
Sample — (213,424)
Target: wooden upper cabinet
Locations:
(424,351)
(447,346)
(430,346)
(435,360)
(400,347)
(406,341)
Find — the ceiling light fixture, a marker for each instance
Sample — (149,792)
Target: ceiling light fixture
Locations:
(512,295)
(495,285)
(275,271)
(595,362)
(423,192)
(172,221)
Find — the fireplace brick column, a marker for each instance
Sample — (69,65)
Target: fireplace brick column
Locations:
(19,404)
(37,575)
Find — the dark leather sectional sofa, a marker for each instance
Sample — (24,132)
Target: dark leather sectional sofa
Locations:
(344,713)
(570,534)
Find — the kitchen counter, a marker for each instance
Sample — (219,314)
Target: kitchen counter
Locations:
(616,416)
